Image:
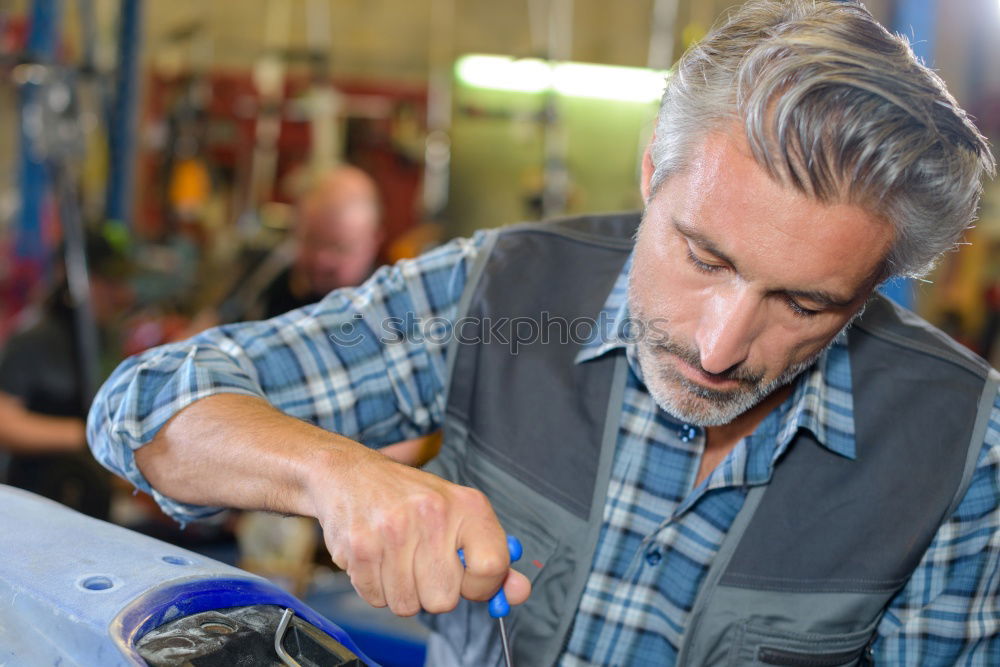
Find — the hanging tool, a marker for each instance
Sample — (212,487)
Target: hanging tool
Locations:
(498,606)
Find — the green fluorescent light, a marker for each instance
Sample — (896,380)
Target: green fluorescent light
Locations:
(529,75)
(628,84)
(526,75)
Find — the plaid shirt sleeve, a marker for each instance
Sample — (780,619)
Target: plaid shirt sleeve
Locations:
(366,362)
(949,611)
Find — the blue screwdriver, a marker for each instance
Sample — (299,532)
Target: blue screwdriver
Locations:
(498,606)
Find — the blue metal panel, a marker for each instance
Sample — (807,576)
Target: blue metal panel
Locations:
(162,604)
(915,20)
(45,15)
(78,591)
(900,290)
(123,122)
(34,184)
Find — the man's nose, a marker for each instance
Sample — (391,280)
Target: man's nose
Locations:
(727,329)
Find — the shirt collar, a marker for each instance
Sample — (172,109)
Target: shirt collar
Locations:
(610,330)
(821,402)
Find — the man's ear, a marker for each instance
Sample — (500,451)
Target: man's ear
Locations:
(647,171)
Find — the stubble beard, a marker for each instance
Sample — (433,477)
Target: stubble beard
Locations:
(698,405)
(688,401)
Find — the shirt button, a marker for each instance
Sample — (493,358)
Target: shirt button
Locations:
(653,556)
(688,432)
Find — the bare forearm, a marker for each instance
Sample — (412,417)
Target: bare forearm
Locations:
(238,451)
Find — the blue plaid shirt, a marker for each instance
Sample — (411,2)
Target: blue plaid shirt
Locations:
(336,364)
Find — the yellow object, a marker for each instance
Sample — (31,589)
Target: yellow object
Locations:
(190,187)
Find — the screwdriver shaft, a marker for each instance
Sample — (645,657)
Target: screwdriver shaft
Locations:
(505,643)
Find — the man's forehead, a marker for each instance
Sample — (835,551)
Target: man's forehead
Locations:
(729,205)
(837,296)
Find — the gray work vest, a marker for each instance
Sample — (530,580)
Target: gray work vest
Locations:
(813,557)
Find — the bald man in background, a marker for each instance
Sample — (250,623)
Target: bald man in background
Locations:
(337,236)
(336,240)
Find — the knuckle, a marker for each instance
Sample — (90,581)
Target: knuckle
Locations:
(394,529)
(489,565)
(371,596)
(369,591)
(362,546)
(474,499)
(404,606)
(441,602)
(338,554)
(430,507)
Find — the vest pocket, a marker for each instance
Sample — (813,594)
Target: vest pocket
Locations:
(774,656)
(521,513)
(552,558)
(762,645)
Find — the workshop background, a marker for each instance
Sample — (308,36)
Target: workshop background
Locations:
(165,142)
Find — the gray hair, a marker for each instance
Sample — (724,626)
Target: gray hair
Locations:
(837,107)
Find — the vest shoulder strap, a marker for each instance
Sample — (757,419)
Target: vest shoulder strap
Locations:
(529,427)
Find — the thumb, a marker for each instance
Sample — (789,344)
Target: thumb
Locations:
(516,587)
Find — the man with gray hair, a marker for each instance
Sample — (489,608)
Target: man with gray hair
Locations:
(740,469)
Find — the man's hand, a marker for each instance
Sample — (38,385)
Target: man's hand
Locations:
(398,530)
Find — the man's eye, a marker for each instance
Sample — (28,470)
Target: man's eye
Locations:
(703,266)
(798,310)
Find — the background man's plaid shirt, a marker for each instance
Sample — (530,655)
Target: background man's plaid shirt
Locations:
(659,534)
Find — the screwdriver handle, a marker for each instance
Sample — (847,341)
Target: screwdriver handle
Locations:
(499,607)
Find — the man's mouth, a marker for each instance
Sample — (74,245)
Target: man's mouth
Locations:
(698,376)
